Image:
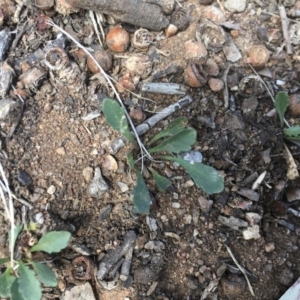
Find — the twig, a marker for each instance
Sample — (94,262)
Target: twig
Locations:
(163,88)
(149,123)
(18,36)
(91,13)
(285,29)
(118,143)
(241,269)
(141,145)
(225,91)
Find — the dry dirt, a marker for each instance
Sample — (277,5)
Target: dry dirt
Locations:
(54,145)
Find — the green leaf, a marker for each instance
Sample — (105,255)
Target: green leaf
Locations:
(6,281)
(15,294)
(173,128)
(4,260)
(205,177)
(292,133)
(44,274)
(181,141)
(141,196)
(17,229)
(162,182)
(29,286)
(52,242)
(281,103)
(116,118)
(130,160)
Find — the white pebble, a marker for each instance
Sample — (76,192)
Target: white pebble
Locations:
(51,189)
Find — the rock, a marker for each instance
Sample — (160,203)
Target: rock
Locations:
(214,14)
(205,204)
(232,222)
(216,84)
(233,285)
(110,163)
(231,51)
(250,194)
(98,186)
(235,5)
(235,123)
(151,222)
(251,233)
(294,106)
(87,173)
(249,105)
(61,151)
(123,187)
(253,218)
(286,277)
(144,275)
(270,247)
(80,292)
(292,194)
(24,178)
(104,212)
(192,156)
(51,189)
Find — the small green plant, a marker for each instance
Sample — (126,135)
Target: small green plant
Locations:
(281,103)
(176,138)
(23,277)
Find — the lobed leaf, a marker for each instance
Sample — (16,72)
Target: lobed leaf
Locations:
(52,242)
(205,177)
(45,274)
(292,133)
(162,182)
(181,141)
(15,294)
(17,229)
(173,128)
(116,118)
(281,103)
(29,286)
(6,281)
(141,196)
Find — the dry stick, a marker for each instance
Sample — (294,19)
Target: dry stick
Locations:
(285,29)
(119,143)
(225,91)
(241,269)
(141,145)
(91,13)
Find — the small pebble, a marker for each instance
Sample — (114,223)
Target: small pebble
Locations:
(235,5)
(24,178)
(216,84)
(104,212)
(51,189)
(144,275)
(123,187)
(175,204)
(188,219)
(61,151)
(88,173)
(270,247)
(286,277)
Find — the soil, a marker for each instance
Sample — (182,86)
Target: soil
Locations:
(57,148)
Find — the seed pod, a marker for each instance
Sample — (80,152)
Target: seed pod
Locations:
(64,8)
(117,39)
(195,51)
(126,82)
(233,285)
(142,39)
(213,36)
(180,19)
(171,30)
(44,4)
(258,57)
(194,75)
(103,58)
(251,86)
(56,59)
